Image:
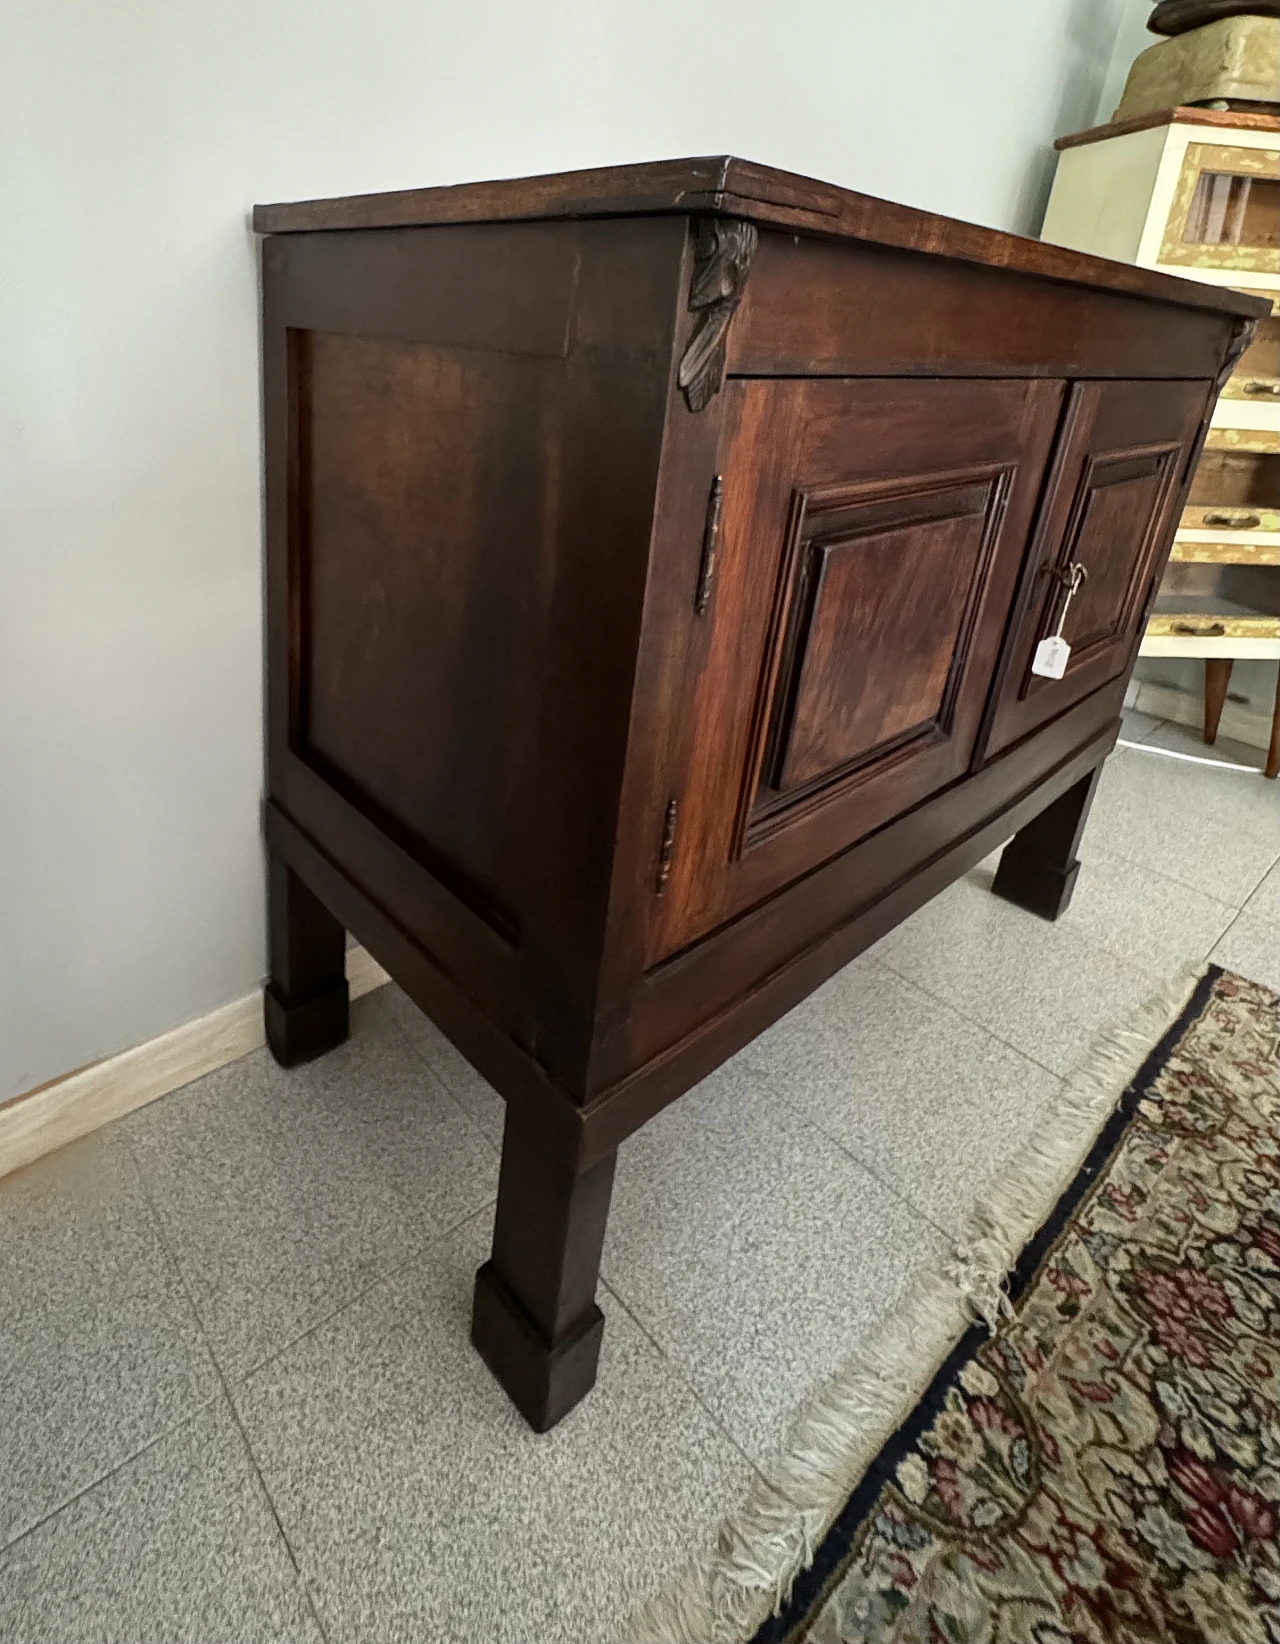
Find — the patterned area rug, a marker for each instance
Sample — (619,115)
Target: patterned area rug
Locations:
(1105,1466)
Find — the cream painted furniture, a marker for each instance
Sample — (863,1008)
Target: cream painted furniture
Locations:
(1231,60)
(1195,191)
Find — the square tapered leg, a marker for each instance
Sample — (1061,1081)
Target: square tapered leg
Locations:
(535,1322)
(1039,867)
(305,1002)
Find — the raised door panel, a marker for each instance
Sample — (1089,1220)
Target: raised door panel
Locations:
(880,602)
(871,538)
(1110,509)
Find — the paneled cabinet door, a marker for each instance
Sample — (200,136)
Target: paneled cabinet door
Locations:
(1110,508)
(870,542)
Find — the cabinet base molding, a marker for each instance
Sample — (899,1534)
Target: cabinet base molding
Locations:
(63,1110)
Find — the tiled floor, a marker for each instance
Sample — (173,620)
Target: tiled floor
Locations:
(236,1396)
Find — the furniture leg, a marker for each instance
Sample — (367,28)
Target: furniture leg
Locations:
(535,1322)
(1217,676)
(1038,867)
(305,1003)
(1272,768)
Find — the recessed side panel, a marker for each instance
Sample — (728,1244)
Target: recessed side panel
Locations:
(425,480)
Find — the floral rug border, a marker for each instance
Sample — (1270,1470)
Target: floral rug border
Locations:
(746,1574)
(811,1585)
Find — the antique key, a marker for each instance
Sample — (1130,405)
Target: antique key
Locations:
(1050,660)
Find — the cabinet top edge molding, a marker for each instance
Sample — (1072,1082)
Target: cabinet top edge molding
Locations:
(1185,114)
(726,186)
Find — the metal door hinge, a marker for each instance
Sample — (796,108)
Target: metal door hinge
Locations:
(667,848)
(710,531)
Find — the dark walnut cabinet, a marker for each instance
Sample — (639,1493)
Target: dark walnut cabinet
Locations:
(656,558)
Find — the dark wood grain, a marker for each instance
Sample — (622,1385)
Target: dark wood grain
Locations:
(305,1002)
(1177,16)
(1112,507)
(1039,866)
(704,1005)
(648,628)
(728,186)
(824,458)
(536,1323)
(879,610)
(401,627)
(1217,681)
(922,316)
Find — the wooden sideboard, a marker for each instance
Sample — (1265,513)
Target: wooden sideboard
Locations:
(655,561)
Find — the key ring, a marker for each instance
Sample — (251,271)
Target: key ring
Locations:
(1069,576)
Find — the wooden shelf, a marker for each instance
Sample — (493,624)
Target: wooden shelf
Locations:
(1174,624)
(1264,440)
(1210,635)
(1241,550)
(1200,519)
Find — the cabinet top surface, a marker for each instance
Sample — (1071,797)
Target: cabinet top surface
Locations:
(1186,114)
(739,188)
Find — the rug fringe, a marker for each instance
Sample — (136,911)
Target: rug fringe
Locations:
(724,1596)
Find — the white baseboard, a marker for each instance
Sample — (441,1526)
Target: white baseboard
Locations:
(63,1110)
(1184,708)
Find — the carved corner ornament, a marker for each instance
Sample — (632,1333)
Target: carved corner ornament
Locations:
(721,256)
(1241,336)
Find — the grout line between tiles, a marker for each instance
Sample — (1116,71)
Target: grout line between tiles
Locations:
(364,1290)
(675,1364)
(1183,884)
(418,1055)
(1156,725)
(180,1272)
(1099,946)
(970,1021)
(1156,873)
(119,1466)
(889,1187)
(350,1297)
(165,1432)
(776,1090)
(1241,913)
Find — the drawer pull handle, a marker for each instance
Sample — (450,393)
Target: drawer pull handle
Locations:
(1256,386)
(1236,522)
(1215,630)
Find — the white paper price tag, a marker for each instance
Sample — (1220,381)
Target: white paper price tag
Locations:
(1050,660)
(1052,654)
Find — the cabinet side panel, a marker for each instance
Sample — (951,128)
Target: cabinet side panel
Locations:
(426,477)
(414,392)
(464,428)
(1102,194)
